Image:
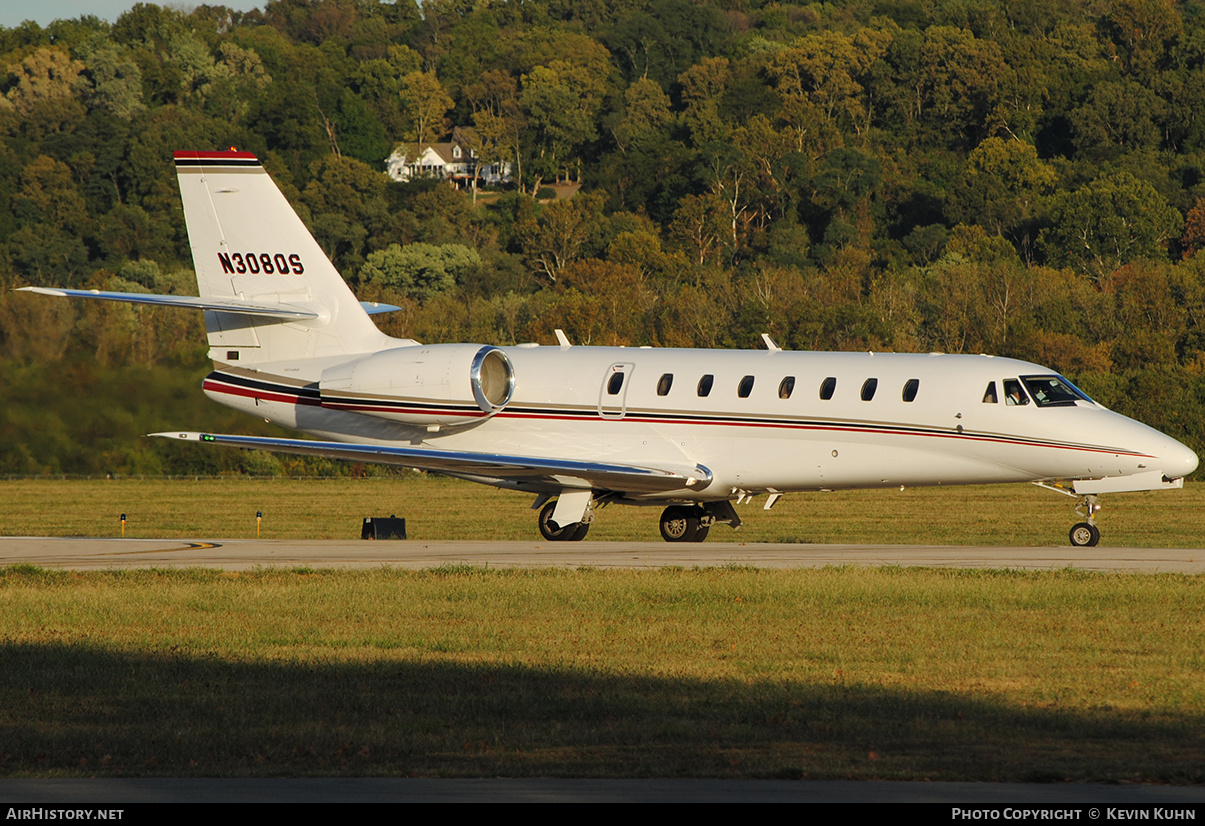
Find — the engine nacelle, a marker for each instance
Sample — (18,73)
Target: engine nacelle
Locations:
(438,384)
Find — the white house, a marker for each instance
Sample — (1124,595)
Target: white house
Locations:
(452,161)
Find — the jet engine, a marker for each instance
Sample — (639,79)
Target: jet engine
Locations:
(438,384)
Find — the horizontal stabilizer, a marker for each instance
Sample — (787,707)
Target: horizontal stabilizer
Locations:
(376,307)
(226,305)
(559,473)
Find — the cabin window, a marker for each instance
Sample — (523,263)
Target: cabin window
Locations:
(666,382)
(615,384)
(828,387)
(745,387)
(868,388)
(705,385)
(989,395)
(786,387)
(1013,394)
(910,388)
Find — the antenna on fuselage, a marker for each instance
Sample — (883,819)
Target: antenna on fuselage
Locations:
(770,345)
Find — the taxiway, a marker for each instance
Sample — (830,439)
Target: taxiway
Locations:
(248,554)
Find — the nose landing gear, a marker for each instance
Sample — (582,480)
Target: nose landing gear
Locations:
(1083,534)
(1086,534)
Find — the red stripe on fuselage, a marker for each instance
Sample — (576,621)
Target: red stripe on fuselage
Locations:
(219,155)
(248,393)
(235,390)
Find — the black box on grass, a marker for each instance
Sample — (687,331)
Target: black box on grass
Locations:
(383,527)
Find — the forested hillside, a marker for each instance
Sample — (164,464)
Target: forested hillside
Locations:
(1023,178)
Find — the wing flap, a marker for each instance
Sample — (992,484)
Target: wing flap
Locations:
(559,473)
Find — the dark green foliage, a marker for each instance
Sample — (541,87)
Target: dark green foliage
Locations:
(958,175)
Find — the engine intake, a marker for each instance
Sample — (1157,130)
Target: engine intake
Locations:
(438,384)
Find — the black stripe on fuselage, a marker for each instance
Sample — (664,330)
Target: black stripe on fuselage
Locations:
(305,391)
(309,395)
(212,163)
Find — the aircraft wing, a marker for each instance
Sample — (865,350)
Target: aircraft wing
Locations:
(554,473)
(225,305)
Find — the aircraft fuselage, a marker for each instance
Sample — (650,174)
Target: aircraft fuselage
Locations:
(759,421)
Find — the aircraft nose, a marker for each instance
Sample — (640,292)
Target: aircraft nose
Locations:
(1178,460)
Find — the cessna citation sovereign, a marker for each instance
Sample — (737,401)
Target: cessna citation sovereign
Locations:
(692,431)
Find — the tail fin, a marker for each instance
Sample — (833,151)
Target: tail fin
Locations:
(249,245)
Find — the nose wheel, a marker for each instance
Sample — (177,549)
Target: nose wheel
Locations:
(1085,535)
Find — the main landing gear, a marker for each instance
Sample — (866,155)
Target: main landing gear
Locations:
(573,532)
(679,523)
(683,523)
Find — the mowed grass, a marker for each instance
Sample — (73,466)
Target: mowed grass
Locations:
(438,508)
(830,673)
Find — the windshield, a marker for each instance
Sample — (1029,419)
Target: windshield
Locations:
(1053,391)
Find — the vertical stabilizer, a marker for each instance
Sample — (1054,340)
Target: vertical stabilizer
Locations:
(249,244)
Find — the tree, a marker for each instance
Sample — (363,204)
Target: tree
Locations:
(1113,220)
(427,105)
(1194,229)
(109,81)
(1118,115)
(703,87)
(827,68)
(1000,188)
(560,234)
(48,247)
(347,201)
(560,104)
(419,270)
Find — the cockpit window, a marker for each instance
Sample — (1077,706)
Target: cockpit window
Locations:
(989,395)
(1013,393)
(1053,391)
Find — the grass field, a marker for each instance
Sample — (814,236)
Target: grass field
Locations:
(831,673)
(438,508)
(828,673)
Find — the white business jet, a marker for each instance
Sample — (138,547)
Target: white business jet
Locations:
(692,431)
